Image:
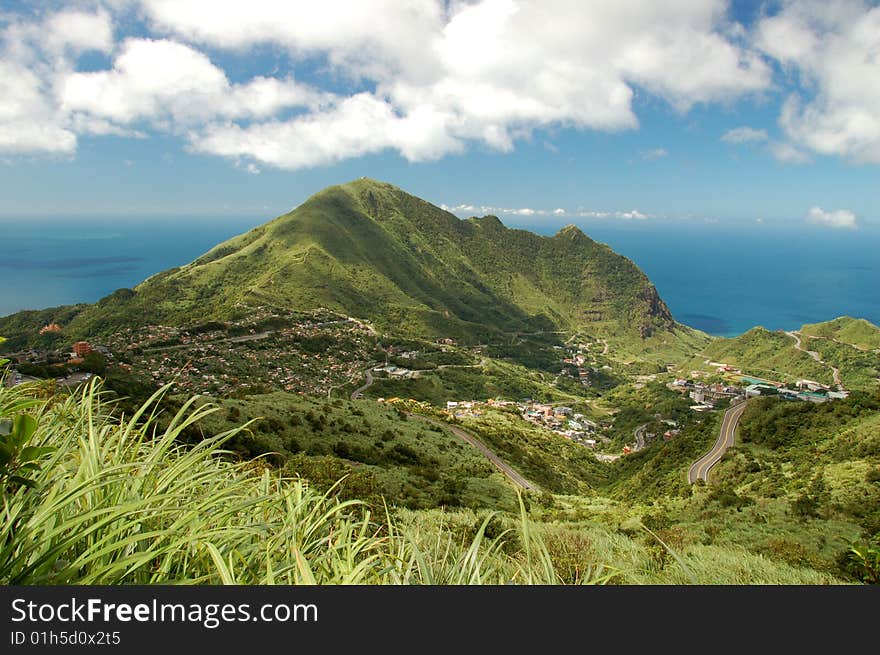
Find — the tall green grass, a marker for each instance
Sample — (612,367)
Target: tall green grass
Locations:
(119,501)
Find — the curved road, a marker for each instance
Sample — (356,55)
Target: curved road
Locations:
(794,334)
(699,470)
(640,437)
(499,463)
(357,392)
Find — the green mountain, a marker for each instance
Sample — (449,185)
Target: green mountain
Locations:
(856,332)
(845,344)
(369,250)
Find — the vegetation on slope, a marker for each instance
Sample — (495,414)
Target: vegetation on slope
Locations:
(379,452)
(768,354)
(369,250)
(121,501)
(855,331)
(843,343)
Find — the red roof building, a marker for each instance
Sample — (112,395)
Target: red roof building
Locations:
(82,348)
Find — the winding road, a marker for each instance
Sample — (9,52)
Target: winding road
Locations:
(699,470)
(357,392)
(812,353)
(513,475)
(467,437)
(640,437)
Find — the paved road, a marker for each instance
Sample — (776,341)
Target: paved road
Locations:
(499,463)
(357,392)
(700,469)
(640,437)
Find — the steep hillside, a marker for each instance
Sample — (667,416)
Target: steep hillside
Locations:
(768,354)
(369,250)
(853,331)
(842,344)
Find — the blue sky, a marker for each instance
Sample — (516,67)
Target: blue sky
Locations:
(634,110)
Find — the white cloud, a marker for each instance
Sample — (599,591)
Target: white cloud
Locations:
(471,210)
(366,37)
(158,80)
(651,155)
(78,31)
(431,77)
(633,214)
(744,134)
(842,218)
(490,71)
(788,154)
(358,125)
(32,55)
(28,122)
(832,48)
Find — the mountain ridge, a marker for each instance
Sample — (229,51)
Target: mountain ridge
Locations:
(369,249)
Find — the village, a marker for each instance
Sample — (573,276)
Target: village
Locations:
(559,419)
(307,354)
(317,352)
(706,394)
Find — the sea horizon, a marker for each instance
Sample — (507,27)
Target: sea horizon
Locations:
(721,278)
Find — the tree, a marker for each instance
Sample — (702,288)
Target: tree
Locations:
(94,363)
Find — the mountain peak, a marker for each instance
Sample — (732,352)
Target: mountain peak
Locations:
(489,221)
(572,231)
(367,248)
(367,183)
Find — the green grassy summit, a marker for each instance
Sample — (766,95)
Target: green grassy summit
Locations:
(854,331)
(846,344)
(370,250)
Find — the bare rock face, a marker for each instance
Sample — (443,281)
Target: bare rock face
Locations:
(656,307)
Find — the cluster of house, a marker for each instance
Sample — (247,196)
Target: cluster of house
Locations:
(806,390)
(559,419)
(393,371)
(577,357)
(75,355)
(210,362)
(705,396)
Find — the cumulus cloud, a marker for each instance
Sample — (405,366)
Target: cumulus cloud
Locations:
(832,47)
(426,78)
(471,210)
(788,154)
(158,80)
(77,31)
(492,71)
(28,121)
(841,218)
(633,214)
(372,38)
(744,134)
(33,54)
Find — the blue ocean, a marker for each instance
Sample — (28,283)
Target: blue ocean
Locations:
(720,278)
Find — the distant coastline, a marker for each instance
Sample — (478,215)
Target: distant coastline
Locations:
(719,279)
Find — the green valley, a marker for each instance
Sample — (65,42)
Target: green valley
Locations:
(338,387)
